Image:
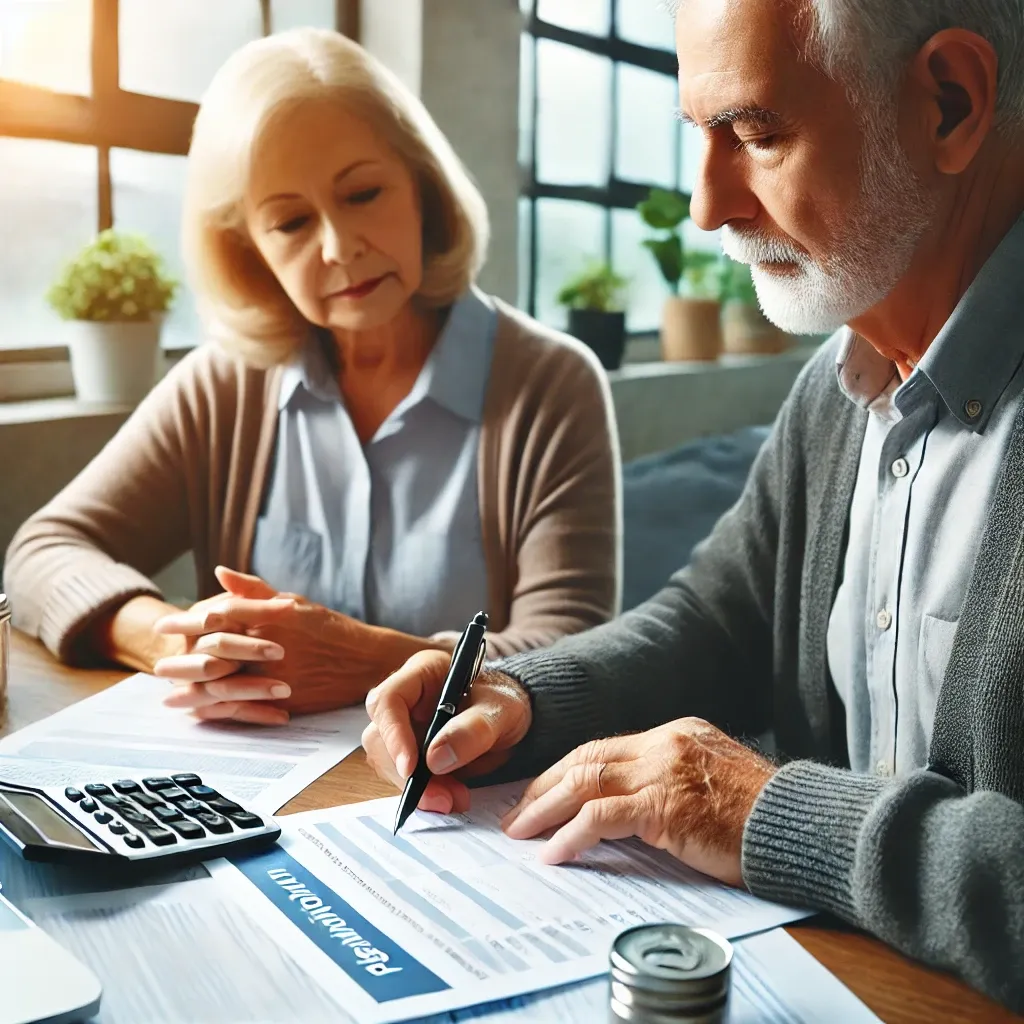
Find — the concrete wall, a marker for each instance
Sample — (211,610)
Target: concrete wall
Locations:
(462,58)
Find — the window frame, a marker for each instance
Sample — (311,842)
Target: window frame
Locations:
(617,193)
(110,118)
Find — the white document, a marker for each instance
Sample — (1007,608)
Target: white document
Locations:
(451,913)
(126,730)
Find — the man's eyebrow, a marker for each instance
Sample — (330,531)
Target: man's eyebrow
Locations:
(749,114)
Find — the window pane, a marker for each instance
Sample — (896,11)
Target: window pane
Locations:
(523,245)
(646,22)
(47,213)
(691,153)
(569,236)
(526,58)
(646,146)
(286,14)
(573,129)
(46,42)
(647,288)
(174,49)
(148,190)
(592,16)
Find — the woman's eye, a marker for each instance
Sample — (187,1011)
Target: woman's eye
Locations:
(363,196)
(289,227)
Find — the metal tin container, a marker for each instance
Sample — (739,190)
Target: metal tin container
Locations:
(667,973)
(5,643)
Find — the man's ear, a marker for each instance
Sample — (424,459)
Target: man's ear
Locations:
(955,73)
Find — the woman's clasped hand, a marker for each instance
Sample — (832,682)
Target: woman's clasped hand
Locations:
(256,655)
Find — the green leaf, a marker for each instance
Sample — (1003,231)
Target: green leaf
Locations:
(669,254)
(595,287)
(663,209)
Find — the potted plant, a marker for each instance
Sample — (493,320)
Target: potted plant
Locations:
(690,326)
(115,292)
(745,329)
(595,312)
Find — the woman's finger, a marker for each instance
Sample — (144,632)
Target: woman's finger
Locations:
(232,689)
(252,712)
(227,613)
(469,735)
(238,647)
(194,668)
(242,584)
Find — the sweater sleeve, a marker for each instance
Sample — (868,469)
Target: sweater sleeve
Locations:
(124,517)
(934,871)
(567,574)
(700,647)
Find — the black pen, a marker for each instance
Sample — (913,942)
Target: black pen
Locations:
(467,658)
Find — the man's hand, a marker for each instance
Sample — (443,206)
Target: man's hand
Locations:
(684,787)
(495,717)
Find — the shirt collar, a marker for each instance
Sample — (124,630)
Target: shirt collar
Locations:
(454,376)
(972,359)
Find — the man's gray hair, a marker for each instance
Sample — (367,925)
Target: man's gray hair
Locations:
(867,43)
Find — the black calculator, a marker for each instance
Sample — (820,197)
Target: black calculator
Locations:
(162,820)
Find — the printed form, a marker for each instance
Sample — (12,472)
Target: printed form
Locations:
(126,730)
(451,913)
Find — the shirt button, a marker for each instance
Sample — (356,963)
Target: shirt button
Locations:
(972,408)
(883,769)
(884,619)
(900,468)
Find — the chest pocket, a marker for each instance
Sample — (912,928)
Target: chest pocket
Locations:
(289,556)
(934,647)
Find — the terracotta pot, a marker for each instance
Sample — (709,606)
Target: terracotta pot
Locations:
(747,331)
(691,330)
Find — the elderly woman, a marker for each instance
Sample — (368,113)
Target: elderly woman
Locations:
(365,428)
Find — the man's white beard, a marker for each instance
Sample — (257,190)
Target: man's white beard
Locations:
(874,247)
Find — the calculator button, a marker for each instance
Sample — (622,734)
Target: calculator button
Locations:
(188,779)
(96,788)
(103,817)
(73,794)
(188,829)
(156,784)
(88,805)
(174,795)
(202,792)
(222,804)
(116,802)
(127,786)
(118,828)
(136,817)
(134,841)
(158,835)
(214,822)
(165,813)
(191,806)
(147,800)
(243,819)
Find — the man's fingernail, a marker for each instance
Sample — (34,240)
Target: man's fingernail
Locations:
(371,700)
(442,758)
(280,690)
(404,765)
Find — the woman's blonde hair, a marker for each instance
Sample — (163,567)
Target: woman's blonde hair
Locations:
(243,305)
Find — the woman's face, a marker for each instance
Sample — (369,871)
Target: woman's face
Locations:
(336,216)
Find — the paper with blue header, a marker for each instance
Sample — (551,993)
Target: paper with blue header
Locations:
(451,913)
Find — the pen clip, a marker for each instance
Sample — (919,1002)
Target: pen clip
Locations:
(478,664)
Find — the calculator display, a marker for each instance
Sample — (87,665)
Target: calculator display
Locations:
(45,820)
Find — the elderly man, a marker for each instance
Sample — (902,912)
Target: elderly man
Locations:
(865,597)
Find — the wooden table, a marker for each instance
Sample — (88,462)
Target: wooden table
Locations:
(895,988)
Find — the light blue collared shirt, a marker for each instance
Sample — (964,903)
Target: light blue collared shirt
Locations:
(388,533)
(931,457)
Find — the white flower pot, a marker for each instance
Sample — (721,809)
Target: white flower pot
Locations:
(114,363)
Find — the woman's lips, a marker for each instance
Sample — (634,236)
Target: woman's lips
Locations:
(358,291)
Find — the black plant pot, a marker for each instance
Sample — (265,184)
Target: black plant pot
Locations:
(605,333)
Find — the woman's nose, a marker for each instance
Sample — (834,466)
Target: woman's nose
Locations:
(338,245)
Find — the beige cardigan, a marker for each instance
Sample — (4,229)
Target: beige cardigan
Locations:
(188,470)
